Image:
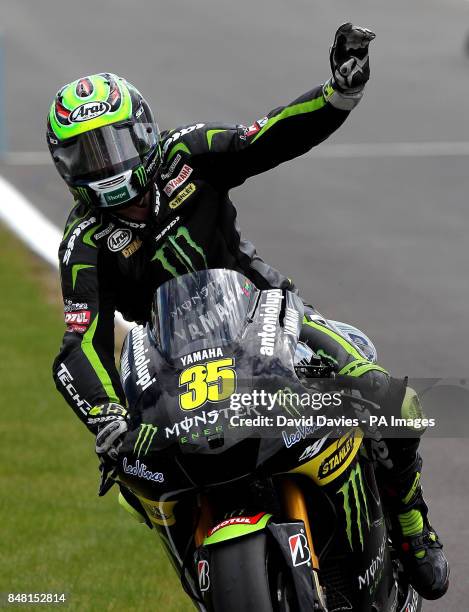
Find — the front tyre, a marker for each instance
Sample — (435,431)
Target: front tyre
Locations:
(246,576)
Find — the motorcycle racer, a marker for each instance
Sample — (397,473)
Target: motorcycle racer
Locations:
(151,206)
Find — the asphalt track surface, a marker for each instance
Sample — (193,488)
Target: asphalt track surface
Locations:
(375,239)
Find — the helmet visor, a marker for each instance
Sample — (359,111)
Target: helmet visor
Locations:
(105,151)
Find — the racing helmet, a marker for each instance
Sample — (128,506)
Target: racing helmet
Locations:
(104,140)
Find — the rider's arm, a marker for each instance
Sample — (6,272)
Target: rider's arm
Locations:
(84,370)
(230,154)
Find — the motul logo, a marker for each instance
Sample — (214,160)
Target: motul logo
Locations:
(299,550)
(203,571)
(82,317)
(238,520)
(89,110)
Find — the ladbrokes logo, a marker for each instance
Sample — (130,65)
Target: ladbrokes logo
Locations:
(355,504)
(335,461)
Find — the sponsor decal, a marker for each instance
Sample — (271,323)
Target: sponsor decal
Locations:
(237,520)
(291,321)
(66,379)
(354,500)
(83,194)
(180,254)
(76,232)
(78,321)
(299,550)
(301,433)
(335,461)
(156,203)
(132,224)
(88,111)
(145,438)
(181,178)
(117,195)
(132,248)
(180,133)
(198,296)
(166,229)
(203,572)
(119,239)
(269,311)
(105,232)
(368,579)
(206,323)
(182,195)
(140,471)
(144,379)
(312,450)
(125,367)
(174,163)
(70,306)
(141,175)
(201,355)
(256,126)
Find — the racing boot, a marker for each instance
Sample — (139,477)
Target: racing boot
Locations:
(414,539)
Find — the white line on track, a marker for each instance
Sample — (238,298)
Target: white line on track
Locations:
(27,222)
(332,151)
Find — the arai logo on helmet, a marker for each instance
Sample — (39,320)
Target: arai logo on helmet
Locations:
(88,111)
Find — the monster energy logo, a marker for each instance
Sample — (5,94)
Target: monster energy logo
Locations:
(84,195)
(141,175)
(186,254)
(354,487)
(145,438)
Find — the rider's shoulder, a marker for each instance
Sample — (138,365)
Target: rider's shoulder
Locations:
(187,139)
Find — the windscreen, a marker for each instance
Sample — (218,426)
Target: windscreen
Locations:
(202,310)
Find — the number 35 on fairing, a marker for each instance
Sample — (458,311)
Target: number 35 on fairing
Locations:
(213,381)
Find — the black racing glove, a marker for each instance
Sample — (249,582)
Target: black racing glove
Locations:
(350,66)
(110,421)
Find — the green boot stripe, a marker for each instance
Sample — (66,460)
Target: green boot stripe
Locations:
(411,523)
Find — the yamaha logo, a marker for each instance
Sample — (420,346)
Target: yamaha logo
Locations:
(119,239)
(88,111)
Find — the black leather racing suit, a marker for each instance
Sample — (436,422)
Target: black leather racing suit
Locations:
(108,263)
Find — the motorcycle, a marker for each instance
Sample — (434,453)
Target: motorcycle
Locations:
(259,503)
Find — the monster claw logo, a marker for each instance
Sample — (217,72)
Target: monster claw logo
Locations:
(185,254)
(141,175)
(353,487)
(145,438)
(83,195)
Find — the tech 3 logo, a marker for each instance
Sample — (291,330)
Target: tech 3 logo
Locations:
(353,487)
(145,438)
(179,254)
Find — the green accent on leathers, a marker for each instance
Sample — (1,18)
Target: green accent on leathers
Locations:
(210,134)
(75,269)
(291,111)
(180,146)
(92,356)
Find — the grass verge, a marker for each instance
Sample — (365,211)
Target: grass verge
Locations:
(56,534)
